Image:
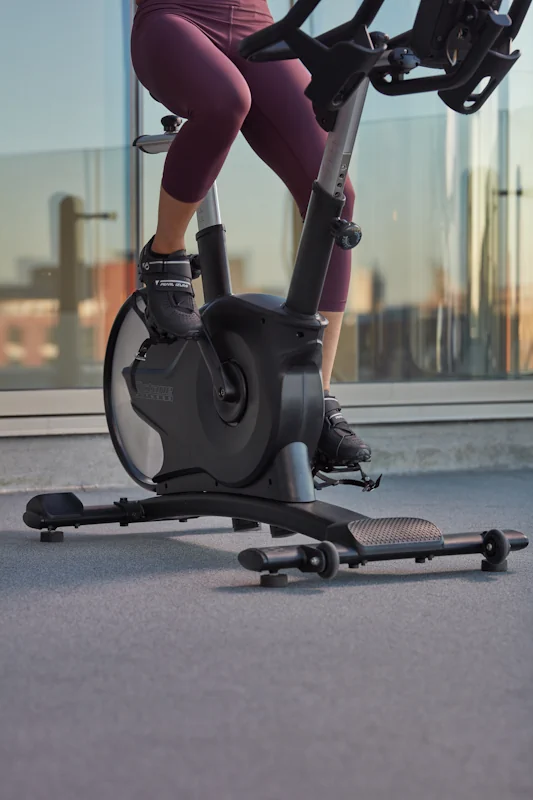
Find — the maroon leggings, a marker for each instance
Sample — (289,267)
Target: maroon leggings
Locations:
(186,55)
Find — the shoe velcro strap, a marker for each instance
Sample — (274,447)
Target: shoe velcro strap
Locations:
(333,413)
(168,284)
(170,275)
(175,268)
(336,419)
(331,406)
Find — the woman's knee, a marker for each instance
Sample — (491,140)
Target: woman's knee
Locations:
(228,107)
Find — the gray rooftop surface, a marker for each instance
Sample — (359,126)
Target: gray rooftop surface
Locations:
(146,663)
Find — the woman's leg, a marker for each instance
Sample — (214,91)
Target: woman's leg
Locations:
(192,78)
(282,129)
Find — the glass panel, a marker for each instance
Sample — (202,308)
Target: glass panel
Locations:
(442,282)
(517,206)
(64,267)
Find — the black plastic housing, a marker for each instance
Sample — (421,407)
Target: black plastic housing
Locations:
(434,22)
(267,453)
(314,252)
(214,263)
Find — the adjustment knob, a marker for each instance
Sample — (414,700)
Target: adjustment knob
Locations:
(347,234)
(379,38)
(404,60)
(171,123)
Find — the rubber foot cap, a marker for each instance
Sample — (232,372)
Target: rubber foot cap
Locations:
(240,525)
(280,533)
(53,537)
(276,581)
(486,566)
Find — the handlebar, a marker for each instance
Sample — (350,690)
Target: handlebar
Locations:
(338,60)
(270,44)
(467,39)
(274,35)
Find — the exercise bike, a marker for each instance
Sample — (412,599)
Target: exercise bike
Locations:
(227,424)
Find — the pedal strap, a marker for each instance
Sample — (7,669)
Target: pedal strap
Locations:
(139,358)
(367,484)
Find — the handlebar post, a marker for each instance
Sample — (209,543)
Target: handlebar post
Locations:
(327,201)
(341,143)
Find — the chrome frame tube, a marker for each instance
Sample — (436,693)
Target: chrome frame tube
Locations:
(158,143)
(208,213)
(327,200)
(341,142)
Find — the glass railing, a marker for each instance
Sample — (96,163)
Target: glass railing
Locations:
(442,282)
(64,265)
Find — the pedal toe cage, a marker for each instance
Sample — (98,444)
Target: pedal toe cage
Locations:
(324,481)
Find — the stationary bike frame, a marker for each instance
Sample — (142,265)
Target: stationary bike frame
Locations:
(279,490)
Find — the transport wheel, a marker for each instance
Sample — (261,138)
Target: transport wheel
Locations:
(331,556)
(496,547)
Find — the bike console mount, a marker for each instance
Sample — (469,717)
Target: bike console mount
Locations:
(469,41)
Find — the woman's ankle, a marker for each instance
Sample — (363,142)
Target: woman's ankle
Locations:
(163,246)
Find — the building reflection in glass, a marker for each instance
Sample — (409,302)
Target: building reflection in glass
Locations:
(442,282)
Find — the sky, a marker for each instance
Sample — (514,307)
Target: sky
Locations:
(63,103)
(67,69)
(62,58)
(74,55)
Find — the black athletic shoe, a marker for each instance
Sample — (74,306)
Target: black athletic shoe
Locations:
(170,296)
(339,446)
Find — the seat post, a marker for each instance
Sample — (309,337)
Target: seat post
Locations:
(212,251)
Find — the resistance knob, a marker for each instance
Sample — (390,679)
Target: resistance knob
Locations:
(347,234)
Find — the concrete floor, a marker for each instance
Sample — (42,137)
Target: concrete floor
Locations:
(148,664)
